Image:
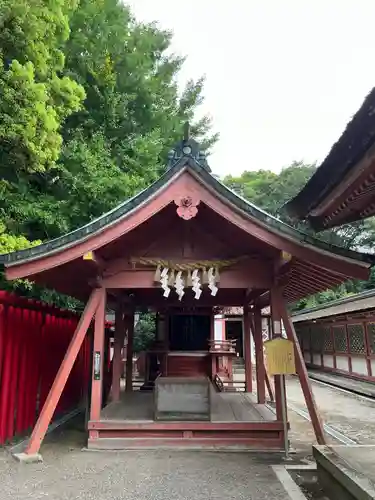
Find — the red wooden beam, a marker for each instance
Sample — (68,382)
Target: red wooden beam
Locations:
(247,350)
(302,372)
(66,366)
(186,183)
(315,279)
(323,275)
(276,332)
(256,327)
(239,277)
(98,357)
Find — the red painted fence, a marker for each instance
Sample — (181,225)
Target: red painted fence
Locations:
(33,340)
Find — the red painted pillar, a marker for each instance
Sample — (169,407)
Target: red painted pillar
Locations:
(58,385)
(214,367)
(129,352)
(21,425)
(247,350)
(6,376)
(98,358)
(276,330)
(302,373)
(259,356)
(16,336)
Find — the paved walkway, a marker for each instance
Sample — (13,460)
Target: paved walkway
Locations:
(358,386)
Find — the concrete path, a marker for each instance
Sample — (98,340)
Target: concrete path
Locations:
(350,414)
(358,386)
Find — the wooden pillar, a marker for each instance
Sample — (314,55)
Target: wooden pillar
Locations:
(276,332)
(268,382)
(302,373)
(129,352)
(214,368)
(247,350)
(259,356)
(66,366)
(98,358)
(117,352)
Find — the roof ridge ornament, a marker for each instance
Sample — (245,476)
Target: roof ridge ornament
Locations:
(187,149)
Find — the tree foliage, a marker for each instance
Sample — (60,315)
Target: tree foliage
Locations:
(144,332)
(270,191)
(101,109)
(89,108)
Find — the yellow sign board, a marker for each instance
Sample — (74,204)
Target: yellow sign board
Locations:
(280,357)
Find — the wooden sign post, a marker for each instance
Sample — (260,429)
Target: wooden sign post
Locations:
(280,360)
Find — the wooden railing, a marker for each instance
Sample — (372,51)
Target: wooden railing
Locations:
(228,385)
(223,346)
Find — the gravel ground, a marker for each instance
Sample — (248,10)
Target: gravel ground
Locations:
(72,474)
(68,473)
(350,414)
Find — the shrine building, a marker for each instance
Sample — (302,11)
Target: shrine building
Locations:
(185,248)
(342,190)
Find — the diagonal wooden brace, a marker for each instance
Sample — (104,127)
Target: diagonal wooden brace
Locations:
(61,378)
(302,373)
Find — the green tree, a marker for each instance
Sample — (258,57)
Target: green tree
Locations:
(35,98)
(117,143)
(144,332)
(271,191)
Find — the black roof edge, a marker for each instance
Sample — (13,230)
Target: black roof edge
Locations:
(345,300)
(200,168)
(357,138)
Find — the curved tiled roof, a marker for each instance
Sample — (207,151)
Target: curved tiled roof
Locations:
(181,157)
(356,140)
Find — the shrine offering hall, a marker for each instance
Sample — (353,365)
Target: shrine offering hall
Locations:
(184,249)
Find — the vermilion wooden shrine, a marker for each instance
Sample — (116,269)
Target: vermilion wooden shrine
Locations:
(342,190)
(184,248)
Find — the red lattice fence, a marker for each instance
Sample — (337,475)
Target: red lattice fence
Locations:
(33,340)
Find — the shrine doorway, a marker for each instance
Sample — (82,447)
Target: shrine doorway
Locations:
(234,331)
(189,332)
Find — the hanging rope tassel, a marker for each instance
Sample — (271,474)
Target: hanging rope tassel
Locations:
(157,275)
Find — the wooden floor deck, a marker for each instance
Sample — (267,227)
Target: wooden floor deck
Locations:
(225,407)
(237,422)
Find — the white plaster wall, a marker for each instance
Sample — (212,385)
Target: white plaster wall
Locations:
(342,363)
(219,331)
(359,365)
(328,361)
(373,367)
(317,360)
(307,357)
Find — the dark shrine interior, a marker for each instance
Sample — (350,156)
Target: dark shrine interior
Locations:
(189,332)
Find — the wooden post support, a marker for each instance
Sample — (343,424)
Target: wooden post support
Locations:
(66,366)
(302,372)
(276,332)
(256,327)
(117,352)
(98,361)
(214,367)
(268,382)
(129,352)
(247,350)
